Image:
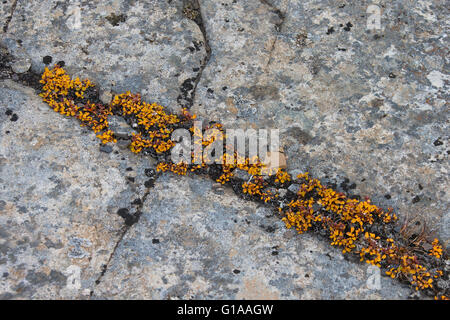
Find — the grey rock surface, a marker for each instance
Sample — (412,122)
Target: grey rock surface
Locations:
(193,243)
(6,10)
(147,46)
(58,200)
(364,111)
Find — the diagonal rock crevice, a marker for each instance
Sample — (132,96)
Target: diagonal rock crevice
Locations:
(192,10)
(278,27)
(129,220)
(9,18)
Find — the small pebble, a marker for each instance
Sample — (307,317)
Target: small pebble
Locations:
(21,66)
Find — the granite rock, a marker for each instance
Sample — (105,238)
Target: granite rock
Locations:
(194,243)
(363,110)
(147,46)
(59,198)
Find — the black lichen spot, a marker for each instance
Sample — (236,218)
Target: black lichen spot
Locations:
(8,112)
(123,212)
(236,271)
(131,179)
(129,169)
(61,63)
(129,218)
(438,142)
(392,76)
(150,172)
(420,187)
(14,117)
(387,196)
(348,26)
(47,59)
(155,241)
(330,30)
(186,89)
(274,253)
(149,183)
(116,20)
(416,199)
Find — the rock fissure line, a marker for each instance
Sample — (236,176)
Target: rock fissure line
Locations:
(128,224)
(9,18)
(303,203)
(278,28)
(192,10)
(278,12)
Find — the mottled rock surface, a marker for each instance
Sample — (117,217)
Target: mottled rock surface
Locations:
(144,46)
(196,240)
(363,110)
(58,200)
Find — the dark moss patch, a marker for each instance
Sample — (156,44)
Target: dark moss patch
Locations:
(115,20)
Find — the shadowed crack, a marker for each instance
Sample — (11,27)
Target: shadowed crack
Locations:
(9,18)
(128,224)
(278,12)
(278,27)
(192,10)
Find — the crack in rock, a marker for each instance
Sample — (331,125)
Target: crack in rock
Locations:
(192,10)
(9,18)
(278,27)
(128,224)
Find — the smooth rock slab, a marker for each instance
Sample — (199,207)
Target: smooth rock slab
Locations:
(351,103)
(148,47)
(58,200)
(196,242)
(6,7)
